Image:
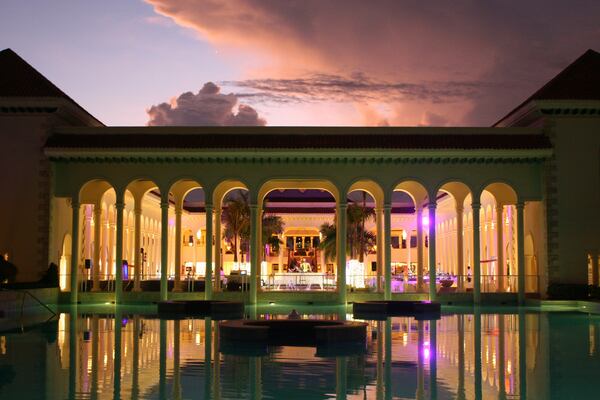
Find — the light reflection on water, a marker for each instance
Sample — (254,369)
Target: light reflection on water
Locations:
(463,356)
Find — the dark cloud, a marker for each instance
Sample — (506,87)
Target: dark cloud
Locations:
(208,107)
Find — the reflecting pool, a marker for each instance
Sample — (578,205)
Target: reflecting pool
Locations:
(466,354)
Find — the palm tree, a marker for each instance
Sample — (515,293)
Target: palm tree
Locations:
(272,225)
(236,217)
(358,239)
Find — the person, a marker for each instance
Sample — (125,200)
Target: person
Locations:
(294,314)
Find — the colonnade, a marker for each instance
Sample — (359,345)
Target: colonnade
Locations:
(422,199)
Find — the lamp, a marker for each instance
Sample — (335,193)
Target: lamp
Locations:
(403,235)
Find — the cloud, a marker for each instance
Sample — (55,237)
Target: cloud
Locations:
(487,56)
(209,107)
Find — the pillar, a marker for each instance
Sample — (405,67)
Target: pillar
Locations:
(387,245)
(341,250)
(218,260)
(380,246)
(164,245)
(460,247)
(137,273)
(419,248)
(500,247)
(177,281)
(595,268)
(476,254)
(119,207)
(521,251)
(254,253)
(74,250)
(432,260)
(96,259)
(208,288)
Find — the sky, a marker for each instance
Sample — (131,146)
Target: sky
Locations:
(304,62)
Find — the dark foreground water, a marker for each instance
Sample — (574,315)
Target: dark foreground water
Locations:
(131,354)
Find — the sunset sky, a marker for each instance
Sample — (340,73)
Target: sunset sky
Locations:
(309,62)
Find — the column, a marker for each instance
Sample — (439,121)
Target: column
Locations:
(96,259)
(341,250)
(419,248)
(500,247)
(476,254)
(138,247)
(254,253)
(380,246)
(177,282)
(119,207)
(209,253)
(432,260)
(164,245)
(218,260)
(460,247)
(117,362)
(595,268)
(477,352)
(387,245)
(74,250)
(521,251)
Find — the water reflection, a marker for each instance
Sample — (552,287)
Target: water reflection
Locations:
(479,355)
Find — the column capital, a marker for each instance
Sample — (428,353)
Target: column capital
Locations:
(208,206)
(520,205)
(387,206)
(75,204)
(341,204)
(120,205)
(253,207)
(164,204)
(432,205)
(459,208)
(476,205)
(178,210)
(137,211)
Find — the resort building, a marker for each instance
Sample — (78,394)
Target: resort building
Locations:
(134,214)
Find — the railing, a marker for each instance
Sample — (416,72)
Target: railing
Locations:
(309,281)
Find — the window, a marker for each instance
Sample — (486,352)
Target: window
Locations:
(395,242)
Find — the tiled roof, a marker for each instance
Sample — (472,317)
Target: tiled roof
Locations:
(580,80)
(297,141)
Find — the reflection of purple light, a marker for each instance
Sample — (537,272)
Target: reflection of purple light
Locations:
(426,350)
(124,322)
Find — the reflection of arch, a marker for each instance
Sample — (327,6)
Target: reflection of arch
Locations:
(531,267)
(65,263)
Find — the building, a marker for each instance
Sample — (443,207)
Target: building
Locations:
(470,212)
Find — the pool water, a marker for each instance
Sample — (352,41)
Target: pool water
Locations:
(131,354)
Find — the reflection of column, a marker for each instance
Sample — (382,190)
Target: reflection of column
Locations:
(95,339)
(432,260)
(164,245)
(341,380)
(208,358)
(162,370)
(379,376)
(73,351)
(178,239)
(387,238)
(135,370)
(209,252)
(420,361)
(176,358)
(379,242)
(500,358)
(117,361)
(500,247)
(96,259)
(459,247)
(119,207)
(217,365)
(521,251)
(255,378)
(476,254)
(433,359)
(522,354)
(477,351)
(218,260)
(341,250)
(137,256)
(388,359)
(74,250)
(460,392)
(254,253)
(419,248)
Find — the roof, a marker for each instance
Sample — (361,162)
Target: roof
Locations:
(580,80)
(276,140)
(19,79)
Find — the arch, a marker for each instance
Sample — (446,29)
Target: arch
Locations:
(371,187)
(225,187)
(274,184)
(181,188)
(92,191)
(456,189)
(414,189)
(531,267)
(503,193)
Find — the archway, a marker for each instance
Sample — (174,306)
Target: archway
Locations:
(531,267)
(64,267)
